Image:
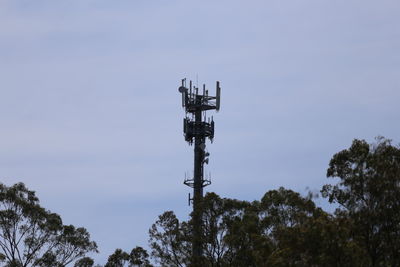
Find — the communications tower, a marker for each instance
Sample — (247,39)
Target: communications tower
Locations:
(197,127)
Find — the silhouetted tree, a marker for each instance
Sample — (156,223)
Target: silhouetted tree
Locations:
(138,257)
(368,192)
(118,259)
(33,236)
(170,240)
(84,262)
(283,229)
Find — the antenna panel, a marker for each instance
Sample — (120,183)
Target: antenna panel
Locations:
(218,97)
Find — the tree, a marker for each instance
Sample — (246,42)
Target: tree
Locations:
(33,236)
(284,216)
(138,257)
(118,259)
(368,192)
(228,231)
(170,241)
(84,262)
(287,229)
(283,229)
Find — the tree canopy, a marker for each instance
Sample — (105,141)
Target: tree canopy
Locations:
(33,236)
(283,228)
(368,193)
(287,229)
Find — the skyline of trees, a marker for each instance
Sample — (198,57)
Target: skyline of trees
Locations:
(283,228)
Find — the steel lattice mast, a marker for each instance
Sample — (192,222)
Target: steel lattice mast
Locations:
(197,128)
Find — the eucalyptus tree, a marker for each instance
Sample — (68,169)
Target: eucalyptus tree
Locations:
(368,192)
(137,258)
(33,236)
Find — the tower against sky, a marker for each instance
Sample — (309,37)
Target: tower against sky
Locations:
(197,127)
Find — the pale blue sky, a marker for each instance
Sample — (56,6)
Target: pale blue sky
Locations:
(91,116)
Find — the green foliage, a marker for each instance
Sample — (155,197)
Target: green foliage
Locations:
(84,262)
(138,257)
(282,229)
(218,214)
(33,236)
(369,195)
(287,229)
(170,240)
(118,259)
